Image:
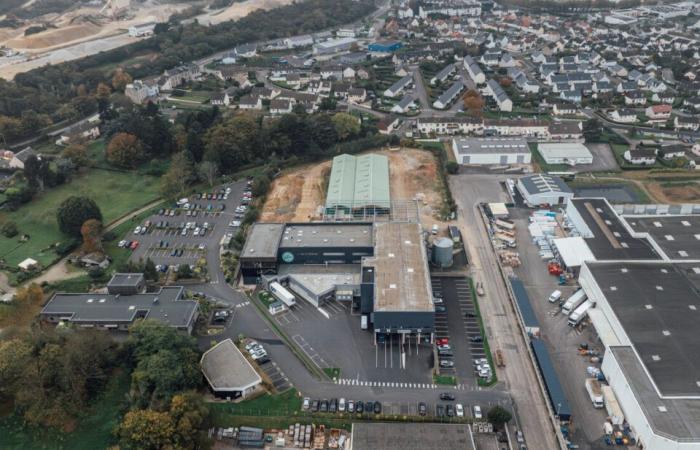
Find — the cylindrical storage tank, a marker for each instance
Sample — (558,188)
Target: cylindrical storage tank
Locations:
(442,252)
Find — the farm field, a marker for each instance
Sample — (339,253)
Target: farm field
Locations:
(116,193)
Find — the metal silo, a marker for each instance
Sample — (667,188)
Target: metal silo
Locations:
(442,252)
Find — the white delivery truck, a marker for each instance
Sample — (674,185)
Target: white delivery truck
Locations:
(573,302)
(554,296)
(579,313)
(282,294)
(594,392)
(363,322)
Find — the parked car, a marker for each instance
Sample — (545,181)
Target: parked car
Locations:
(440,308)
(450,411)
(476,339)
(359,407)
(442,341)
(444,347)
(306,404)
(437,300)
(422,409)
(459,409)
(324,406)
(314,406)
(369,406)
(333,405)
(134,245)
(445,354)
(446,364)
(377,407)
(447,396)
(477,412)
(440,411)
(351,406)
(341,405)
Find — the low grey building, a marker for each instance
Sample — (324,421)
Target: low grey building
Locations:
(491,151)
(124,303)
(229,374)
(542,189)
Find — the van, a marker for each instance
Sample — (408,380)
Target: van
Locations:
(555,296)
(435,229)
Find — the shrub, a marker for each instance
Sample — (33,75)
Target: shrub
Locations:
(9,229)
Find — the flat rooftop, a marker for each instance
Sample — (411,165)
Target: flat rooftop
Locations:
(126,279)
(465,146)
(401,268)
(91,308)
(408,436)
(658,305)
(542,183)
(679,418)
(322,279)
(225,368)
(327,234)
(611,240)
(564,150)
(263,240)
(678,236)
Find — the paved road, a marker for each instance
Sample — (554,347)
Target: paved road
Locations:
(500,321)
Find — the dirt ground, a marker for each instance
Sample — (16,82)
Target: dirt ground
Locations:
(297,194)
(240,9)
(675,194)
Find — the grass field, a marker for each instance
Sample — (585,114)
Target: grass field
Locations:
(116,193)
(285,404)
(93,430)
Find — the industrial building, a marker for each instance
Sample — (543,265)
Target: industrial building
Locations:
(384,46)
(228,373)
(358,182)
(380,268)
(571,153)
(491,151)
(542,189)
(125,302)
(641,271)
(334,46)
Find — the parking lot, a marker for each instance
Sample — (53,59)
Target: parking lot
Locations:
(185,232)
(460,325)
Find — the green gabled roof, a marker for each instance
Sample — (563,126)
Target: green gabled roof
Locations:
(357,182)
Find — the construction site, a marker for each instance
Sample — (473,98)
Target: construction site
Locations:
(299,194)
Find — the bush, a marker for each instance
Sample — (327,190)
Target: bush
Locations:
(9,229)
(452,167)
(96,273)
(67,246)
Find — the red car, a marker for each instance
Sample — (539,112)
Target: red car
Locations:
(442,341)
(134,245)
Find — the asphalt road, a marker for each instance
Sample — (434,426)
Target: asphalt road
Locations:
(499,318)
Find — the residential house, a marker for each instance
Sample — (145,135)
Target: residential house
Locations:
(565,131)
(299,41)
(564,108)
(669,152)
(140,91)
(635,98)
(686,123)
(175,77)
(19,158)
(246,51)
(624,115)
(474,71)
(250,102)
(443,74)
(89,129)
(641,156)
(348,73)
(332,72)
(658,112)
(357,95)
(265,93)
(516,127)
(281,106)
(387,125)
(220,99)
(398,87)
(499,95)
(449,96)
(405,105)
(450,125)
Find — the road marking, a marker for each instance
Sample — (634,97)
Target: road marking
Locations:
(324,313)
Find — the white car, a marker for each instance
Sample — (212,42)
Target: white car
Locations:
(341,405)
(202,246)
(122,244)
(196,231)
(305,405)
(460,410)
(477,412)
(137,230)
(206,225)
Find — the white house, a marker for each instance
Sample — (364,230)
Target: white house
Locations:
(395,89)
(640,156)
(143,30)
(499,95)
(220,99)
(474,71)
(405,105)
(250,102)
(624,116)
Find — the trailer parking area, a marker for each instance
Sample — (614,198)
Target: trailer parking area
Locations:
(561,340)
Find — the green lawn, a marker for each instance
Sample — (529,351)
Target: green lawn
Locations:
(444,380)
(332,372)
(116,193)
(285,404)
(93,430)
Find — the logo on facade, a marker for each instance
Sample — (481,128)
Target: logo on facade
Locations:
(288,257)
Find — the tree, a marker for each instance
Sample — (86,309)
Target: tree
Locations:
(149,270)
(120,79)
(36,171)
(9,229)
(74,211)
(452,167)
(506,82)
(178,176)
(91,231)
(498,415)
(209,171)
(102,92)
(232,143)
(184,271)
(188,413)
(30,295)
(124,150)
(77,153)
(146,429)
(346,125)
(473,102)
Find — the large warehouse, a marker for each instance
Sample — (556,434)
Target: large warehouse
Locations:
(642,273)
(382,268)
(542,189)
(571,153)
(491,151)
(358,183)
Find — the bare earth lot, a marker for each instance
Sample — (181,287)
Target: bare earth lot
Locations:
(675,194)
(297,194)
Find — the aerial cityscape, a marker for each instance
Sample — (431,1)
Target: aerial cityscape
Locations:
(349,224)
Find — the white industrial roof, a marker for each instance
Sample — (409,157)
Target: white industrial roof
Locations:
(573,251)
(571,150)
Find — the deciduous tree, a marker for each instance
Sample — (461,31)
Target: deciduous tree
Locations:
(124,150)
(178,176)
(346,125)
(77,153)
(92,235)
(120,79)
(74,211)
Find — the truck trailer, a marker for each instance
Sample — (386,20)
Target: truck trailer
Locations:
(579,313)
(282,294)
(595,392)
(573,302)
(612,406)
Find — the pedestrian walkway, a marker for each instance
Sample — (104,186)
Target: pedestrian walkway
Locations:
(396,385)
